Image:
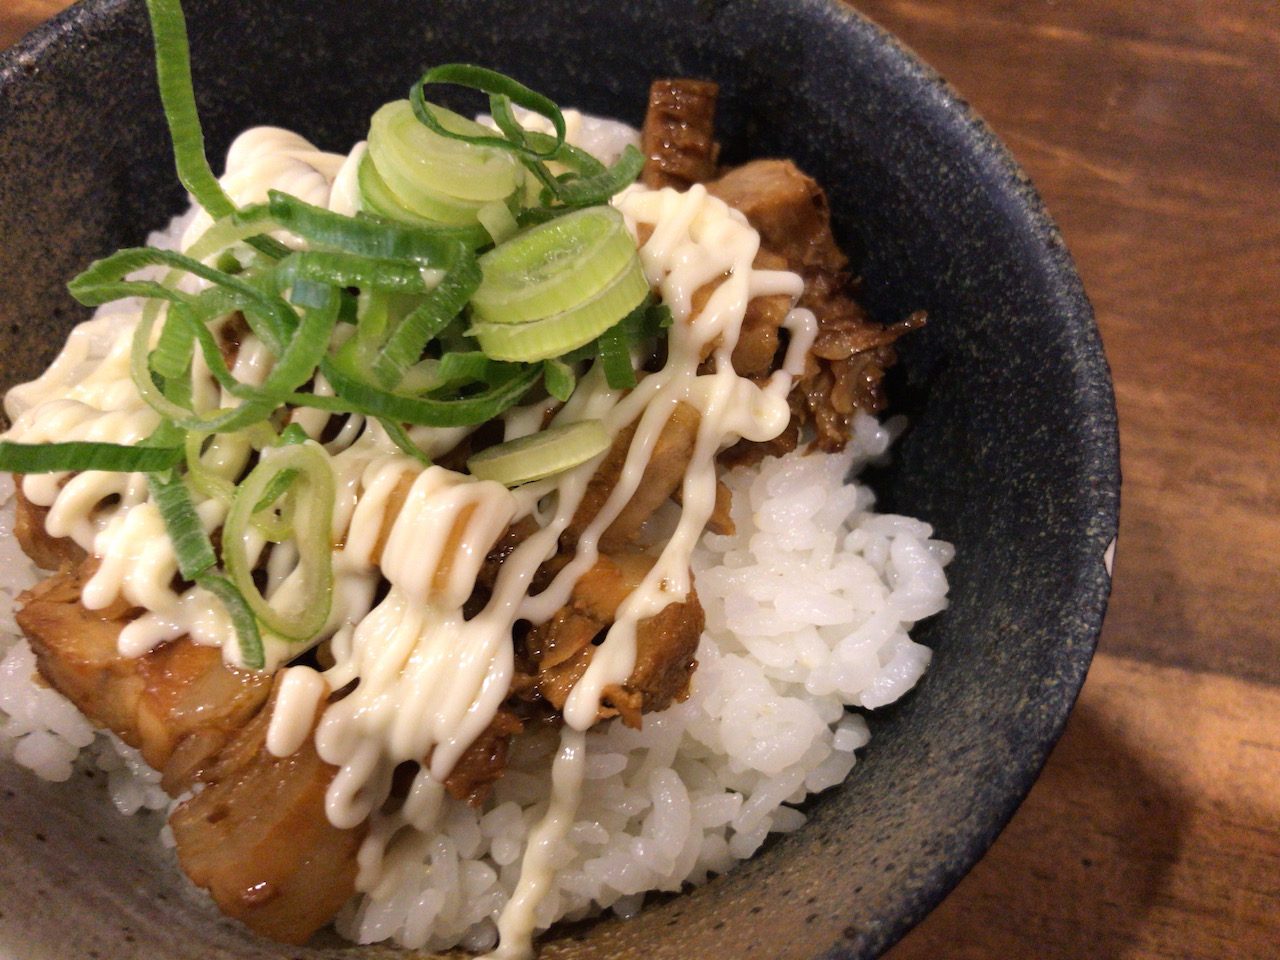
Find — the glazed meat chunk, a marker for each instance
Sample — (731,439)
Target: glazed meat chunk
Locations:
(178,704)
(851,352)
(483,763)
(661,478)
(257,838)
(788,209)
(560,650)
(46,552)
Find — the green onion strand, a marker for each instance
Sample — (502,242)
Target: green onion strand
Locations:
(86,455)
(248,637)
(494,83)
(191,545)
(559,379)
(410,336)
(365,236)
(615,357)
(103,281)
(400,437)
(461,412)
(177,95)
(588,191)
(312,491)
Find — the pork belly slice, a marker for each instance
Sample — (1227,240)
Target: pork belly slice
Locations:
(678,136)
(560,650)
(46,552)
(178,704)
(257,837)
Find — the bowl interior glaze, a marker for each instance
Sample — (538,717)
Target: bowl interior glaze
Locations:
(1011,452)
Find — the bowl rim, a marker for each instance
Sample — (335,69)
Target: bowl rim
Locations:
(1095,394)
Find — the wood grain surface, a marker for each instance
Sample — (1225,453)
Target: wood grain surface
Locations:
(1152,128)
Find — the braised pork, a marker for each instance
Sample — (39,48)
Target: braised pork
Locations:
(46,552)
(561,649)
(482,764)
(661,478)
(178,704)
(258,839)
(852,352)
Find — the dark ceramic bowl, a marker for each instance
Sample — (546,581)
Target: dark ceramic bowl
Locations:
(1011,453)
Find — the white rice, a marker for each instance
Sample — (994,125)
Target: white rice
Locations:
(808,608)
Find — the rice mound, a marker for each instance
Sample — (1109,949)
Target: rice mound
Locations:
(808,607)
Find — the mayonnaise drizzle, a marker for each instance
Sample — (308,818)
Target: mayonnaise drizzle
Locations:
(426,680)
(517,922)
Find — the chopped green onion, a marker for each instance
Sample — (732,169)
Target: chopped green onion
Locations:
(292,434)
(85,455)
(249,639)
(177,97)
(491,82)
(377,200)
(567,155)
(172,355)
(173,73)
(103,281)
(413,160)
(204,480)
(559,379)
(553,267)
(295,365)
(541,454)
(561,333)
(464,367)
(364,236)
(599,188)
(615,357)
(360,397)
(191,544)
(342,269)
(312,491)
(400,437)
(498,220)
(410,336)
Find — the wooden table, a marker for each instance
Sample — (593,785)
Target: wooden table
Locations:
(1152,128)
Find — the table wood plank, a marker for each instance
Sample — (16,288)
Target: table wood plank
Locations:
(1153,833)
(1152,128)
(17,17)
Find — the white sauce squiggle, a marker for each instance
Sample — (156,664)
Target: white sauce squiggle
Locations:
(427,680)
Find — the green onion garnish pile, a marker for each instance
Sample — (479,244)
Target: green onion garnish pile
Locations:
(484,266)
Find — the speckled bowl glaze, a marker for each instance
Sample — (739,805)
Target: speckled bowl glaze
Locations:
(1011,453)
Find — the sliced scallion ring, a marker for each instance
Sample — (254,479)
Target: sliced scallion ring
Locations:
(411,156)
(542,454)
(312,520)
(498,221)
(421,200)
(562,332)
(553,267)
(381,206)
